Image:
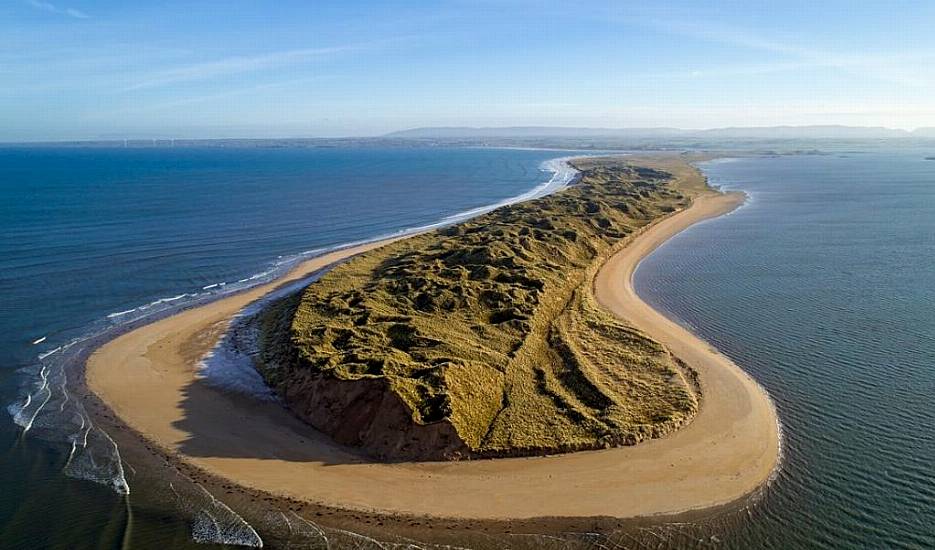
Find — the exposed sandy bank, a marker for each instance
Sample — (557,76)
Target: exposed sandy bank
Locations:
(148,377)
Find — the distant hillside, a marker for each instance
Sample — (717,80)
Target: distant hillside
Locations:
(464,132)
(758,132)
(806,132)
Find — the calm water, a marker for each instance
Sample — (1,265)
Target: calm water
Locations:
(92,238)
(823,287)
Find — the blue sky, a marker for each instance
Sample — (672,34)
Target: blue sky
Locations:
(77,69)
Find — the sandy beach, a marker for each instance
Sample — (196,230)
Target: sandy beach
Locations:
(148,377)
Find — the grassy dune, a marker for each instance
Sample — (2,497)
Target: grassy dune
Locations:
(484,338)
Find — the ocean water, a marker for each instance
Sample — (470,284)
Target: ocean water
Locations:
(95,238)
(823,288)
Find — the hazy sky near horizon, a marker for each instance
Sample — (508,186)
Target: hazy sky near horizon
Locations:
(88,69)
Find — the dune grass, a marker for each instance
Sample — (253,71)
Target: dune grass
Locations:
(491,325)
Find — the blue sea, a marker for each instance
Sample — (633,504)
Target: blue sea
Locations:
(822,287)
(96,238)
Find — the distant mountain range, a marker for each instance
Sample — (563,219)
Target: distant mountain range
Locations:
(769,132)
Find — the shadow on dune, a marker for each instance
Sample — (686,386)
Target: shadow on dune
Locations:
(225,425)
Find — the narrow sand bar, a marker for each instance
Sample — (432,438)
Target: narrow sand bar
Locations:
(148,377)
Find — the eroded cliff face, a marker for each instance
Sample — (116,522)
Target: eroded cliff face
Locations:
(484,339)
(366,413)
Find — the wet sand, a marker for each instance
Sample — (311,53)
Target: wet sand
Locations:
(148,377)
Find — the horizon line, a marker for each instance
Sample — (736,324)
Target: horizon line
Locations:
(392,134)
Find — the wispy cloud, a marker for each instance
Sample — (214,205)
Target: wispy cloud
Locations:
(899,69)
(52,8)
(726,70)
(233,65)
(227,94)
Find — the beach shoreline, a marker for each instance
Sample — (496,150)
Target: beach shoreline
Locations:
(148,377)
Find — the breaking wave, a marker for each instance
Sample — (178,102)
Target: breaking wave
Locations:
(47,410)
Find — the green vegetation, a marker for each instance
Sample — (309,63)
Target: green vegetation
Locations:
(484,338)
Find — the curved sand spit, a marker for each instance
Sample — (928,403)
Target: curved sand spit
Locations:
(148,378)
